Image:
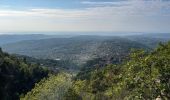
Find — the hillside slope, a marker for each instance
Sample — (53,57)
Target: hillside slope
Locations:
(145,76)
(53,88)
(78,49)
(17,76)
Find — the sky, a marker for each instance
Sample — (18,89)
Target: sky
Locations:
(85,16)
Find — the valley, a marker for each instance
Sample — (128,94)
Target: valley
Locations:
(62,67)
(77,50)
(84,49)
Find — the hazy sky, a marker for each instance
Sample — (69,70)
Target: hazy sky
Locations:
(85,15)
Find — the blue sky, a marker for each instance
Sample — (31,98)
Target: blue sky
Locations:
(85,16)
(69,4)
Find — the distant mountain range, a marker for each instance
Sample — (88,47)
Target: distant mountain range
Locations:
(80,49)
(5,39)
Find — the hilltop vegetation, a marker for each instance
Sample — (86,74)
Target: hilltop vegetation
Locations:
(52,88)
(17,77)
(145,75)
(107,69)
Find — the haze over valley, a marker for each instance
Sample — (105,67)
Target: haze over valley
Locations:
(84,50)
(78,48)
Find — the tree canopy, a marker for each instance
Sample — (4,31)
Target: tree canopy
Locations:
(144,76)
(17,77)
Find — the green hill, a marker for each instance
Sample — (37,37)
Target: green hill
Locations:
(145,76)
(17,77)
(53,88)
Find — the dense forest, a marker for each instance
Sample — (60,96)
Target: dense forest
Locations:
(97,68)
(145,75)
(84,49)
(17,77)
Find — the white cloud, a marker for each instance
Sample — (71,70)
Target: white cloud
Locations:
(115,3)
(132,15)
(134,7)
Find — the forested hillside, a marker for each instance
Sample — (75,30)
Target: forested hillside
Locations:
(17,77)
(145,75)
(53,88)
(84,49)
(76,49)
(106,69)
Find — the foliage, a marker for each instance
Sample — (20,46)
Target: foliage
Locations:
(17,77)
(148,75)
(52,88)
(144,76)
